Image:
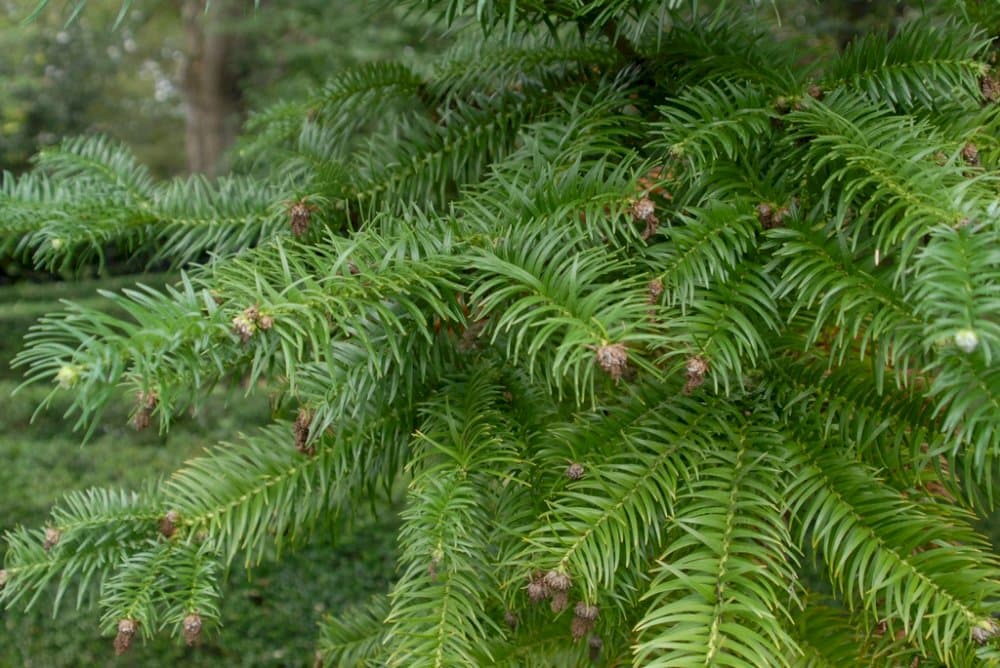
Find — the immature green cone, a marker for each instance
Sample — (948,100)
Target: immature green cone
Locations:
(68,376)
(984,630)
(966,340)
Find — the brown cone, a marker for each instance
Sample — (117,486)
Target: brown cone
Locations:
(584,611)
(168,524)
(301,431)
(192,628)
(537,591)
(557,581)
(52,536)
(580,627)
(697,368)
(990,88)
(126,633)
(613,358)
(595,643)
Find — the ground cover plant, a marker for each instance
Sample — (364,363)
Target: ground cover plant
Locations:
(651,309)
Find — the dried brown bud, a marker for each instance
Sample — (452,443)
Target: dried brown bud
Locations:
(560,600)
(537,591)
(299,214)
(655,289)
(126,632)
(990,88)
(586,611)
(697,368)
(764,214)
(643,210)
(580,627)
(168,524)
(557,581)
(244,327)
(145,405)
(574,471)
(770,216)
(815,92)
(192,628)
(970,154)
(613,358)
(52,536)
(301,431)
(3,577)
(265,322)
(595,644)
(510,619)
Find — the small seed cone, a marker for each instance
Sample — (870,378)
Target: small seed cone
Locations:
(557,581)
(595,643)
(168,524)
(585,611)
(126,633)
(537,591)
(192,628)
(580,627)
(301,432)
(613,358)
(52,536)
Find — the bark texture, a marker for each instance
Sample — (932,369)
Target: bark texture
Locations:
(210,82)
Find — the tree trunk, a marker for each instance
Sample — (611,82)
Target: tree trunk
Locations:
(210,84)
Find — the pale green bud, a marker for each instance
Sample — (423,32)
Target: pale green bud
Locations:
(966,340)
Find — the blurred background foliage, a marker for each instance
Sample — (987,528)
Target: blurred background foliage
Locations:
(135,83)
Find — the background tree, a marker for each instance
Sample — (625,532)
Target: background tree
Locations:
(647,308)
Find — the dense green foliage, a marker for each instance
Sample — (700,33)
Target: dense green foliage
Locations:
(649,307)
(269,617)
